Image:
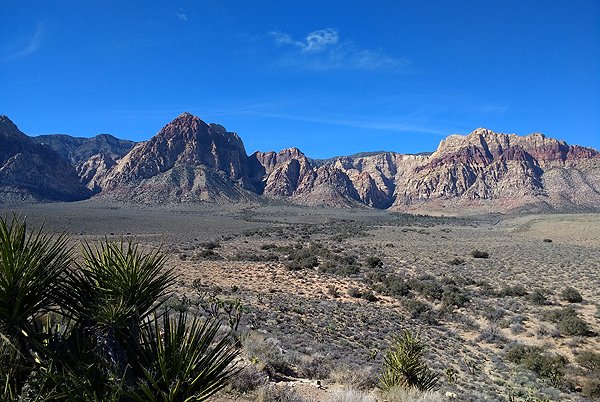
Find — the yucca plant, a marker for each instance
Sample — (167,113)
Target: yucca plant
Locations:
(404,366)
(31,267)
(118,274)
(182,360)
(92,331)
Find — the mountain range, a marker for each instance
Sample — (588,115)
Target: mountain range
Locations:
(189,161)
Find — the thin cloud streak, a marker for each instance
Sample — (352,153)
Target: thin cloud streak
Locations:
(352,123)
(22,49)
(322,50)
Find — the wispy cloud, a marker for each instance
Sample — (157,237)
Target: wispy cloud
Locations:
(23,47)
(182,15)
(323,50)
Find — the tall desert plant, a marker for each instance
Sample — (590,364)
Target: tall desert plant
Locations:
(404,365)
(182,360)
(32,265)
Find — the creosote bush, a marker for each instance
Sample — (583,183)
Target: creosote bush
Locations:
(480,254)
(94,331)
(571,295)
(546,365)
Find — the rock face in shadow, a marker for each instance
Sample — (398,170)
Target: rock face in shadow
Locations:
(91,157)
(31,172)
(189,161)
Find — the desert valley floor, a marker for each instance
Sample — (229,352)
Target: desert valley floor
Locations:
(324,291)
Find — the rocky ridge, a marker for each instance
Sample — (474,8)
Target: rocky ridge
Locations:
(31,172)
(91,157)
(190,161)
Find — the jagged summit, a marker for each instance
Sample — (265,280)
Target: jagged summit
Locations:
(190,161)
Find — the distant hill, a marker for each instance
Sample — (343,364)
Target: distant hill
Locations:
(189,161)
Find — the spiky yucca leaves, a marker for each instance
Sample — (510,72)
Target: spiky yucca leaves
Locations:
(116,287)
(117,282)
(404,366)
(31,268)
(183,361)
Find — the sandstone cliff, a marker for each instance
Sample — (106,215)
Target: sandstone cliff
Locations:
(190,161)
(187,161)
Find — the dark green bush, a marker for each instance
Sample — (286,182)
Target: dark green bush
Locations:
(591,388)
(568,322)
(549,366)
(93,331)
(374,262)
(538,297)
(516,290)
(415,308)
(589,360)
(571,295)
(480,254)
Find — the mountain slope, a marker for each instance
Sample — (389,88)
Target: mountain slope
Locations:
(187,161)
(31,172)
(92,157)
(190,161)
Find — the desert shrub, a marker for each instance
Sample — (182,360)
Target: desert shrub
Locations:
(266,353)
(314,366)
(491,334)
(354,292)
(362,377)
(480,254)
(516,290)
(453,296)
(274,393)
(343,269)
(546,365)
(208,255)
(350,394)
(571,295)
(333,291)
(547,240)
(494,314)
(538,297)
(456,261)
(247,380)
(399,394)
(573,326)
(589,360)
(373,262)
(568,322)
(211,245)
(404,365)
(415,308)
(394,285)
(427,287)
(591,388)
(369,296)
(307,262)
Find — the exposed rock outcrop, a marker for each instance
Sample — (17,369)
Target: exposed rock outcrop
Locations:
(91,157)
(190,161)
(31,172)
(187,161)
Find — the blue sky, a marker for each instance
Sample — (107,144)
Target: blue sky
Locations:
(332,78)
